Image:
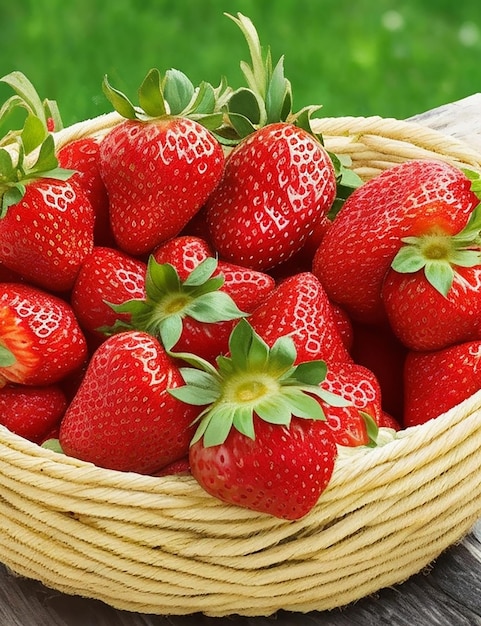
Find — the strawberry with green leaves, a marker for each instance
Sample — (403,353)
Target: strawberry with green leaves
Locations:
(46,221)
(261,440)
(123,416)
(247,287)
(191,315)
(41,342)
(437,380)
(420,198)
(161,163)
(277,183)
(432,293)
(279,180)
(299,307)
(32,412)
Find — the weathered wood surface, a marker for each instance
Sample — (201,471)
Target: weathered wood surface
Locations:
(447,594)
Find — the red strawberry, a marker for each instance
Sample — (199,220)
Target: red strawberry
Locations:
(411,199)
(82,155)
(122,416)
(106,276)
(438,380)
(158,168)
(432,294)
(31,412)
(40,339)
(261,442)
(299,307)
(424,319)
(357,423)
(197,313)
(46,226)
(278,184)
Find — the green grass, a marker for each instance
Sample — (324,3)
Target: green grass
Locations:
(356,57)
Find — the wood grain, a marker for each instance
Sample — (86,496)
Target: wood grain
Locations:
(448,594)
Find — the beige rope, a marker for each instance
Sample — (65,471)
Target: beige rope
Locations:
(162,545)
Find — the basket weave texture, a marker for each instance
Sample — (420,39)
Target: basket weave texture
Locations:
(164,546)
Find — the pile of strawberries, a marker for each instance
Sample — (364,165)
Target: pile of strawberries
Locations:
(205,289)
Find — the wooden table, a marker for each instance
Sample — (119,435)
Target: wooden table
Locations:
(447,594)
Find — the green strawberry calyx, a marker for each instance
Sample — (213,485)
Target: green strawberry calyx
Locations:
(42,115)
(171,95)
(267,99)
(35,158)
(169,300)
(253,379)
(438,254)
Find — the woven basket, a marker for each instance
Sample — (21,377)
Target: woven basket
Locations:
(164,546)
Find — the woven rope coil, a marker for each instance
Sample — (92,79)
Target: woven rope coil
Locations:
(162,545)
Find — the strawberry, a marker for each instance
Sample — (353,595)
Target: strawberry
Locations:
(191,315)
(438,380)
(106,275)
(424,319)
(46,225)
(40,339)
(31,412)
(261,442)
(122,416)
(300,308)
(432,293)
(357,423)
(82,155)
(277,184)
(159,167)
(415,198)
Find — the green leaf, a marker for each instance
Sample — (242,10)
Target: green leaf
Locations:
(243,421)
(216,306)
(178,91)
(27,92)
(408,260)
(53,444)
(466,258)
(372,428)
(33,133)
(7,169)
(161,278)
(277,94)
(202,272)
(440,275)
(151,98)
(218,426)
(274,411)
(7,358)
(311,372)
(282,355)
(241,124)
(11,196)
(302,405)
(239,343)
(190,394)
(205,100)
(247,104)
(169,330)
(328,396)
(119,101)
(46,160)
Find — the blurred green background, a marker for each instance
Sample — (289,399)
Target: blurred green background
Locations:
(356,57)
